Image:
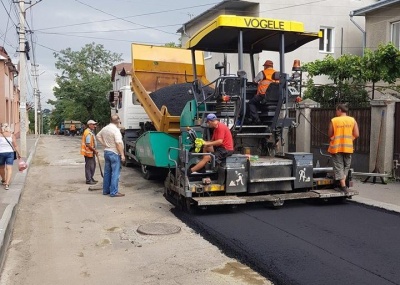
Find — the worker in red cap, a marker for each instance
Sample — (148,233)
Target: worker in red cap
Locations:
(263,79)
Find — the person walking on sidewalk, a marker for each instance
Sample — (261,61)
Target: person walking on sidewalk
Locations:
(343,130)
(88,150)
(8,144)
(111,138)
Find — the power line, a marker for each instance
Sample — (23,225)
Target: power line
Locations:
(8,12)
(8,20)
(108,31)
(122,18)
(46,47)
(295,5)
(94,8)
(97,38)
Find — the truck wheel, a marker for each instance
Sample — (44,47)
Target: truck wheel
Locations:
(187,206)
(277,204)
(148,172)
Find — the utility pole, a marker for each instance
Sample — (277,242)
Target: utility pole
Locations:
(22,85)
(35,110)
(40,116)
(35,95)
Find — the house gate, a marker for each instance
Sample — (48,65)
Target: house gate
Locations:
(396,149)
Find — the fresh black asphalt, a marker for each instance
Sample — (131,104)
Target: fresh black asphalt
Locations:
(309,244)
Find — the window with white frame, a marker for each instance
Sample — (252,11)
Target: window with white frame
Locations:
(395,31)
(207,54)
(327,40)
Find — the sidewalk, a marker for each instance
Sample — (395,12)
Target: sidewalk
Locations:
(385,196)
(9,199)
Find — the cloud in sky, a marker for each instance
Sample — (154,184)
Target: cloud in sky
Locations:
(58,25)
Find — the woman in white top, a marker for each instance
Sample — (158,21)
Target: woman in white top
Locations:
(7,154)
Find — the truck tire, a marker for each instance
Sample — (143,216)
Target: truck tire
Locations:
(148,172)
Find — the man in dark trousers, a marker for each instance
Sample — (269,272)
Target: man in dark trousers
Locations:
(343,130)
(88,150)
(263,79)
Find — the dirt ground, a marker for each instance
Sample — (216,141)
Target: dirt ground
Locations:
(65,234)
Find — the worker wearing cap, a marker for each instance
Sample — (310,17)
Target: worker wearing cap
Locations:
(88,150)
(263,79)
(221,144)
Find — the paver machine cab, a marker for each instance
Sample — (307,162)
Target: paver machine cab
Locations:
(265,176)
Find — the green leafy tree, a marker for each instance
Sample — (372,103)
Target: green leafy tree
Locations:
(383,64)
(350,74)
(172,44)
(83,84)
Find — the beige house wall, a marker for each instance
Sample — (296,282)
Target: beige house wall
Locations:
(9,94)
(331,13)
(377,25)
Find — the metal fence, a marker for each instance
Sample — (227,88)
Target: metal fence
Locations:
(396,152)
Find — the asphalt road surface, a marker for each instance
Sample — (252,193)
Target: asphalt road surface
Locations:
(309,244)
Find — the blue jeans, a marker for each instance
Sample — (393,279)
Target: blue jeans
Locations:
(112,170)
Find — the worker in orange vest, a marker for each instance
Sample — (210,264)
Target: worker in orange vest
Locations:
(88,150)
(263,79)
(343,130)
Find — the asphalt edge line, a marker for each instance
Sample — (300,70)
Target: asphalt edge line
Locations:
(377,204)
(8,217)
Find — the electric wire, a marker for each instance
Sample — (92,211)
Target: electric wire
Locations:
(114,19)
(94,8)
(106,39)
(8,12)
(46,47)
(8,20)
(108,31)
(311,124)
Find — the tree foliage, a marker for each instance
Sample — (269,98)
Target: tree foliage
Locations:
(350,74)
(83,84)
(172,44)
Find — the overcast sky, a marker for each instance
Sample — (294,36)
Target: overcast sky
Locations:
(59,24)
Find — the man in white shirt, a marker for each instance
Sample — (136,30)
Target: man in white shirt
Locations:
(111,138)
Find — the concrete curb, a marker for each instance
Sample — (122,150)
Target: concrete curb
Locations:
(6,225)
(11,199)
(377,204)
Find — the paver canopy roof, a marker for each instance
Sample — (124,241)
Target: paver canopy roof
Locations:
(221,35)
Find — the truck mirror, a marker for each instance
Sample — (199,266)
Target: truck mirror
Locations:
(111,97)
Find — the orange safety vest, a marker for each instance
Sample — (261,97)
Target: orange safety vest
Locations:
(84,149)
(342,140)
(263,84)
